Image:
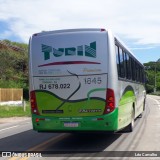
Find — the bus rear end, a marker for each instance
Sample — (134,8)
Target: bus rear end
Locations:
(68,81)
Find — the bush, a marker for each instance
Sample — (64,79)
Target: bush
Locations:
(149,88)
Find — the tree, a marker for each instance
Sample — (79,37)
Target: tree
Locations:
(151,69)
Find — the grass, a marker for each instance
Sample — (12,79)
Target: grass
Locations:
(14,111)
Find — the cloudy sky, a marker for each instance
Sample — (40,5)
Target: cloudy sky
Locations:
(136,22)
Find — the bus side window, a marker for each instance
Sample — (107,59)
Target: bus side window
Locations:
(128,67)
(136,69)
(133,69)
(141,75)
(137,72)
(122,66)
(139,79)
(118,60)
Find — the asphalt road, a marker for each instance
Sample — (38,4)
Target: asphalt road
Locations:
(19,136)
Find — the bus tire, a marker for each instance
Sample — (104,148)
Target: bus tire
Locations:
(140,116)
(130,127)
(144,104)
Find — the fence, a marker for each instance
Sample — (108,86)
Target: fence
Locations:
(11,94)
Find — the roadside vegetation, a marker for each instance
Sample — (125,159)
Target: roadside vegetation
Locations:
(152,77)
(15,111)
(14,66)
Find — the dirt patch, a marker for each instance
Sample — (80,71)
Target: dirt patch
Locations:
(14,119)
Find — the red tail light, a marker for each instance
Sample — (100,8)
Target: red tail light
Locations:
(110,101)
(33,103)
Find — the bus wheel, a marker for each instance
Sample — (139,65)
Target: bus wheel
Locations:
(130,127)
(140,116)
(144,103)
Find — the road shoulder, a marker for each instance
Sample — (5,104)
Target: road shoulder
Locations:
(13,119)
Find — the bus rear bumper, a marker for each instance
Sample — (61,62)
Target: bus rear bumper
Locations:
(108,122)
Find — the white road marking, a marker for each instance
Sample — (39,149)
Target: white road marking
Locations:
(9,128)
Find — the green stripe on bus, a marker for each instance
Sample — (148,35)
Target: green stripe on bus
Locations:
(125,108)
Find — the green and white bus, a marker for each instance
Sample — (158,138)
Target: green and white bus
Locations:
(84,80)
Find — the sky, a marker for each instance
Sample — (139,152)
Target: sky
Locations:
(135,22)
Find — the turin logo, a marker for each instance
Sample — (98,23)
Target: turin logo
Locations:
(82,50)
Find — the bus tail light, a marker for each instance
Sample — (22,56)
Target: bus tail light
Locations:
(110,101)
(33,102)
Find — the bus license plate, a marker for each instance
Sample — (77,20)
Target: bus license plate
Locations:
(71,124)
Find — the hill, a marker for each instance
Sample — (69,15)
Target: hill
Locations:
(13,65)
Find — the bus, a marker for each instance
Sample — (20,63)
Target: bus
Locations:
(84,80)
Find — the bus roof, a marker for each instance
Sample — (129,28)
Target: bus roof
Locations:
(44,33)
(70,30)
